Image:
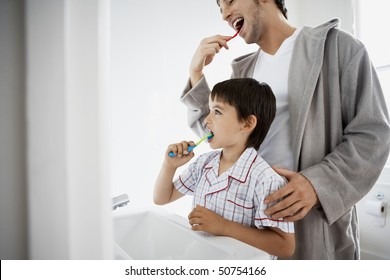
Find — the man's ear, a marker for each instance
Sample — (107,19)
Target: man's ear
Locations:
(250,123)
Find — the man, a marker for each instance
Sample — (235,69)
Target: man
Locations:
(331,132)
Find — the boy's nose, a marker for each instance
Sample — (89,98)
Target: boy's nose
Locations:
(207,119)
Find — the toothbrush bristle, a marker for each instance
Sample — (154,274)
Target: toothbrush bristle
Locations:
(211,135)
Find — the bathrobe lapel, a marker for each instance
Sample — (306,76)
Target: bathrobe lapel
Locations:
(302,62)
(305,62)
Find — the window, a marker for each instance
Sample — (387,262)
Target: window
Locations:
(372,22)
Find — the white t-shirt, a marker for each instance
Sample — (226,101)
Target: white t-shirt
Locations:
(273,70)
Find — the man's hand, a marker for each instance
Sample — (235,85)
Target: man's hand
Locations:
(297,197)
(205,54)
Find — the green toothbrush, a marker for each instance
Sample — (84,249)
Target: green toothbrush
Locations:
(190,148)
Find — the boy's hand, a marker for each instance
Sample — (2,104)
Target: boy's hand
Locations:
(203,219)
(182,156)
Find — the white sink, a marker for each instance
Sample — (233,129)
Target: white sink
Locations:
(158,236)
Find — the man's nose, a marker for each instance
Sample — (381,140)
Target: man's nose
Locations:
(225,12)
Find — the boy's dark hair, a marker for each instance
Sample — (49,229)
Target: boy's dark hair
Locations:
(280,3)
(249,97)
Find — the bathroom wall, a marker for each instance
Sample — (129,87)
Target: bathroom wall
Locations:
(375,225)
(315,12)
(152,45)
(66,88)
(13,208)
(54,194)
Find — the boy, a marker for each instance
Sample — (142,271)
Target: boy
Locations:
(229,185)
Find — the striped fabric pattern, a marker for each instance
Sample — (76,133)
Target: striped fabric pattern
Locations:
(237,194)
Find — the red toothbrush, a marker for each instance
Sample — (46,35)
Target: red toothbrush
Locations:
(238,31)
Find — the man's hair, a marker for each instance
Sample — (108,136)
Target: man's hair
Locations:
(249,97)
(280,3)
(282,7)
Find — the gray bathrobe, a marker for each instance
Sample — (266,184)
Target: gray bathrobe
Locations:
(340,133)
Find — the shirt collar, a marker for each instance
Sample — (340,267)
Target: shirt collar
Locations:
(240,170)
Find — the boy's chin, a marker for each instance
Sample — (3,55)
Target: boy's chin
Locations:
(214,147)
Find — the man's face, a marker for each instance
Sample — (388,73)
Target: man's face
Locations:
(244,15)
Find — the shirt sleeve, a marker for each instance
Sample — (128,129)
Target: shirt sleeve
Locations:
(263,189)
(188,180)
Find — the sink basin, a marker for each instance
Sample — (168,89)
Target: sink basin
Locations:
(151,235)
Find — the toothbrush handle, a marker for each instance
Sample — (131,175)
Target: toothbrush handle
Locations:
(190,148)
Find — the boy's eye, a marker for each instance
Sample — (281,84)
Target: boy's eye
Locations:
(217,112)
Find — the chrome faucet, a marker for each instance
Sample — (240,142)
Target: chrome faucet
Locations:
(120,201)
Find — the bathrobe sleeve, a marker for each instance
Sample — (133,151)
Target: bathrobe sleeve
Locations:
(197,101)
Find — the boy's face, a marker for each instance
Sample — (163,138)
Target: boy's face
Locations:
(223,122)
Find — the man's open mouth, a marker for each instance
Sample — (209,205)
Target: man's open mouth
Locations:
(238,23)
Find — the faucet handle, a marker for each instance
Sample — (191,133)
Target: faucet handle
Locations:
(120,201)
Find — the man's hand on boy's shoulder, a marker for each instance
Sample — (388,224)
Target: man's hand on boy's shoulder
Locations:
(297,197)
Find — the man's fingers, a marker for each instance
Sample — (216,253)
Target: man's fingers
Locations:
(284,172)
(279,194)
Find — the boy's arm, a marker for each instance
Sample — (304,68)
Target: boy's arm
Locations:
(272,240)
(164,190)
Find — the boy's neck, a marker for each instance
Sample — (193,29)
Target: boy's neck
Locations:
(229,156)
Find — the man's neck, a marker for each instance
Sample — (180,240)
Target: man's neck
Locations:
(273,38)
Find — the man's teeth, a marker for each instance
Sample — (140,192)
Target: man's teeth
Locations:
(237,23)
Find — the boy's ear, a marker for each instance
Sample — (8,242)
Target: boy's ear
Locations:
(250,123)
